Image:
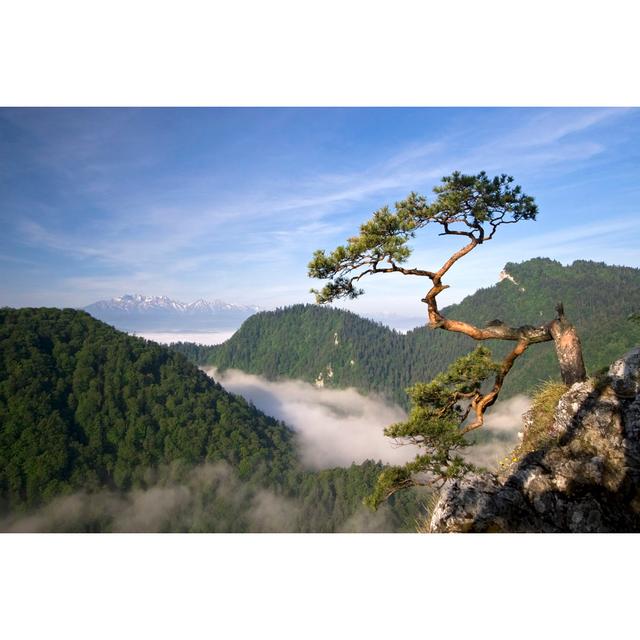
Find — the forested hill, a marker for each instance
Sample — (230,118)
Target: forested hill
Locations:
(318,344)
(598,300)
(340,349)
(86,410)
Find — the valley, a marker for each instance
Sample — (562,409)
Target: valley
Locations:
(102,431)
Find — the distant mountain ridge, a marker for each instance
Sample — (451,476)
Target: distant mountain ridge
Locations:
(338,349)
(137,312)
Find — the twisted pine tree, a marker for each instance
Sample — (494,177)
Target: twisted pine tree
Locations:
(472,207)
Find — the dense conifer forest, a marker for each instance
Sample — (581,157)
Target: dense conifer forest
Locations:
(341,349)
(86,408)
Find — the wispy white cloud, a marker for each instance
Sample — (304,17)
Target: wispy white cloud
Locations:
(166,337)
(552,126)
(188,234)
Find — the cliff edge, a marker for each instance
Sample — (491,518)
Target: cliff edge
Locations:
(582,475)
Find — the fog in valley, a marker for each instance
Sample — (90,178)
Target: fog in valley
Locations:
(502,425)
(209,497)
(336,427)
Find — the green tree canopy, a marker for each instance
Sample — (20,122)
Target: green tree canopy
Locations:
(472,206)
(439,409)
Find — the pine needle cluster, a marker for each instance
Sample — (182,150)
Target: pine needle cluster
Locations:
(435,424)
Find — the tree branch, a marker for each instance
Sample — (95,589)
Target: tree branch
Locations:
(482,403)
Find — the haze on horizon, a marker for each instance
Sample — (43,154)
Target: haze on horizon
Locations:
(230,203)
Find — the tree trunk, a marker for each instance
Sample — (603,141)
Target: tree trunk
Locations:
(563,333)
(568,349)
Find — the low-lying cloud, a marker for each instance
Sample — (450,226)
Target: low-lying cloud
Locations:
(505,417)
(209,497)
(502,424)
(335,427)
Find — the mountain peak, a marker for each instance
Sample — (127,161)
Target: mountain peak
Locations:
(138,312)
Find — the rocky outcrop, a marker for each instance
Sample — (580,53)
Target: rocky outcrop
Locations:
(585,478)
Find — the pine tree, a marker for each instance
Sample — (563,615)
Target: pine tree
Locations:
(472,207)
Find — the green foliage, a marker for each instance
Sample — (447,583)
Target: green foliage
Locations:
(597,298)
(479,200)
(328,498)
(467,205)
(84,405)
(438,410)
(85,408)
(196,353)
(299,341)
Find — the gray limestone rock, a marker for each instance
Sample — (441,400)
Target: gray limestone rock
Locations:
(625,374)
(586,480)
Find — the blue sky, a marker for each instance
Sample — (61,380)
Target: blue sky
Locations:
(230,203)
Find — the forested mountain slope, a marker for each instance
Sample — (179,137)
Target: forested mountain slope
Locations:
(86,408)
(339,349)
(598,300)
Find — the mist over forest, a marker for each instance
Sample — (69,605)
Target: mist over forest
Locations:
(336,427)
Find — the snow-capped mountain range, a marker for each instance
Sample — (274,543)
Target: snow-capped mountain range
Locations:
(135,312)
